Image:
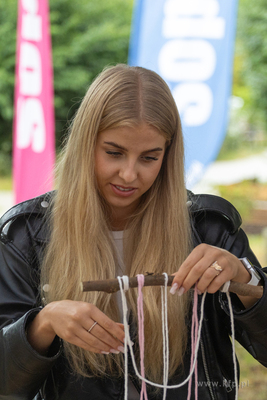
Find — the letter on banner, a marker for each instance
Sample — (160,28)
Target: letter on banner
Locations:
(190,44)
(33,136)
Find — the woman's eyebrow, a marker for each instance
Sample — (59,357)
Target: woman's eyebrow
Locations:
(155,149)
(123,148)
(116,145)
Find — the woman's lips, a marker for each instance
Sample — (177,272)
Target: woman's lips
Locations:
(122,190)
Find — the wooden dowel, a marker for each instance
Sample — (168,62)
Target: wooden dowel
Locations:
(112,285)
(243,289)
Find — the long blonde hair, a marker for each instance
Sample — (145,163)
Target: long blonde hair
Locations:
(158,235)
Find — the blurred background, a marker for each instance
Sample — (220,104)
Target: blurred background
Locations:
(88,35)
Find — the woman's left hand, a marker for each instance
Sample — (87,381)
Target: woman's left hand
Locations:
(209,267)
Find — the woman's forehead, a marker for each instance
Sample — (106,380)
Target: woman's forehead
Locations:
(144,137)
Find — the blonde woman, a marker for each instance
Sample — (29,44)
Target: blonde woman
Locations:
(121,208)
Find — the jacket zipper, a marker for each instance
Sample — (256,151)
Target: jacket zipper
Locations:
(206,369)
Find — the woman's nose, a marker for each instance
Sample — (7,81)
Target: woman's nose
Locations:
(128,172)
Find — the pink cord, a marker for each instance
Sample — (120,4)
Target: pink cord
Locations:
(140,314)
(194,338)
(194,334)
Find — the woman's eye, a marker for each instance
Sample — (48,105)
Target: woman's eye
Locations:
(113,153)
(149,158)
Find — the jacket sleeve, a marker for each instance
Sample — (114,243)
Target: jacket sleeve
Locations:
(22,370)
(215,221)
(251,323)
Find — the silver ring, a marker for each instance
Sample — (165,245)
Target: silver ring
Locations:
(217,267)
(94,324)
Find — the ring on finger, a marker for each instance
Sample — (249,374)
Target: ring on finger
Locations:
(217,267)
(94,324)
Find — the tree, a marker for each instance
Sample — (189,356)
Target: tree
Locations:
(8,14)
(85,39)
(252,55)
(86,36)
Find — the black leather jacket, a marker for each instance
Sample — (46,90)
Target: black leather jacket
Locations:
(25,374)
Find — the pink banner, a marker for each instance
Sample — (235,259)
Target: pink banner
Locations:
(33,136)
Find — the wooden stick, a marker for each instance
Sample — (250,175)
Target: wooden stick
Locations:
(112,285)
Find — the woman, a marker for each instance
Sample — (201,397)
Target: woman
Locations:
(121,207)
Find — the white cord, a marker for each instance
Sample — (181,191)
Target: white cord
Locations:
(128,343)
(233,342)
(225,287)
(125,280)
(127,340)
(165,334)
(125,323)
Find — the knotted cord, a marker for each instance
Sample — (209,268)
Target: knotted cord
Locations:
(141,335)
(194,330)
(233,342)
(195,339)
(123,287)
(165,334)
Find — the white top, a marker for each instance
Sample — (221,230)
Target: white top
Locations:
(118,241)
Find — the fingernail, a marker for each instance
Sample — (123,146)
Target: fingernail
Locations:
(105,352)
(120,348)
(174,288)
(114,351)
(199,292)
(180,291)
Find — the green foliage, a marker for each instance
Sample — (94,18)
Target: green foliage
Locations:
(5,161)
(86,36)
(241,146)
(251,50)
(246,133)
(8,15)
(239,195)
(243,195)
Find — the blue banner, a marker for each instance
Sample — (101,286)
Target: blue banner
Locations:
(190,44)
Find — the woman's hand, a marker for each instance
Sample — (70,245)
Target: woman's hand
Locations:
(71,321)
(199,268)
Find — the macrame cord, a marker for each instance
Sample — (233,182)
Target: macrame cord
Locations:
(141,335)
(165,334)
(233,342)
(196,327)
(194,330)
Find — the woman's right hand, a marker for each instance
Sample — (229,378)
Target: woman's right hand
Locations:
(71,320)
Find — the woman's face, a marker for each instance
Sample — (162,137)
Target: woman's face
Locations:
(127,162)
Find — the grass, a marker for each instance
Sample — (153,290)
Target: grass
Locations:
(253,376)
(236,147)
(246,151)
(243,195)
(258,244)
(5,183)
